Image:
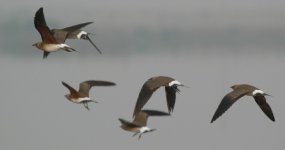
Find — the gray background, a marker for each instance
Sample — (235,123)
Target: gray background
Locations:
(208,45)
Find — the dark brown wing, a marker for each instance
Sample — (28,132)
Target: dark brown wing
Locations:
(143,97)
(227,102)
(152,113)
(59,35)
(150,86)
(140,118)
(170,98)
(85,86)
(76,27)
(261,101)
(73,92)
(43,29)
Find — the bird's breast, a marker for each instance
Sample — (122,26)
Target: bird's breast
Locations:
(50,47)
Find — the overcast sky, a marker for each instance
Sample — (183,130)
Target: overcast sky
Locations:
(207,45)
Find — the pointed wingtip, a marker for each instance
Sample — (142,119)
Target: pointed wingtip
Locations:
(112,83)
(272,118)
(170,110)
(39,12)
(63,83)
(121,120)
(40,9)
(94,44)
(151,112)
(215,117)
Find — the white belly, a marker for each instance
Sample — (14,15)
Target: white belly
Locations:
(52,47)
(81,99)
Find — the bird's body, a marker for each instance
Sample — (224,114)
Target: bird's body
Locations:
(139,124)
(50,47)
(48,43)
(132,127)
(151,85)
(239,91)
(82,95)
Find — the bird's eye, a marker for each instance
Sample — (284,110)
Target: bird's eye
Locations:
(84,36)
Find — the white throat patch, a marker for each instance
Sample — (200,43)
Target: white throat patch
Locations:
(257,92)
(174,82)
(81,33)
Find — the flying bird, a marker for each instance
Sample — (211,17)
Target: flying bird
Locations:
(48,43)
(239,91)
(139,124)
(82,95)
(74,32)
(151,85)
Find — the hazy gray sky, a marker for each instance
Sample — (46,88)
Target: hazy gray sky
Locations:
(207,45)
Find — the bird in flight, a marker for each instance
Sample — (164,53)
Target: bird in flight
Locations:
(82,95)
(239,91)
(151,85)
(48,43)
(139,124)
(74,32)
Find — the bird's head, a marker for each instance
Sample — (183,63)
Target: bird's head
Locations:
(36,44)
(84,36)
(67,96)
(174,84)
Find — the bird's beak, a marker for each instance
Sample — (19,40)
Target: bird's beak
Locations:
(93,34)
(184,86)
(34,44)
(265,94)
(94,101)
(152,130)
(135,133)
